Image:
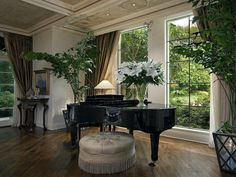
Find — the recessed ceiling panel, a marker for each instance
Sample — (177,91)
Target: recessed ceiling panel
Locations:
(23,15)
(126,8)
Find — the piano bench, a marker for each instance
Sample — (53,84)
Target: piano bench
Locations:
(106,152)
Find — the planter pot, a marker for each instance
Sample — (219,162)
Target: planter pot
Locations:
(225,146)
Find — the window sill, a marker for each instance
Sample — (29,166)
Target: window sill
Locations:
(194,135)
(5,121)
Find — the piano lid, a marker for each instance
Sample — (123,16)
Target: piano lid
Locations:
(152,106)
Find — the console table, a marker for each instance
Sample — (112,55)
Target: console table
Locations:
(30,104)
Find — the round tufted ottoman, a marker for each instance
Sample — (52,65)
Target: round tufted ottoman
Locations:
(106,152)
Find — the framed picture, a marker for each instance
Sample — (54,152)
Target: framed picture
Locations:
(41,81)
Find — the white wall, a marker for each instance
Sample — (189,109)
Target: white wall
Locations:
(53,41)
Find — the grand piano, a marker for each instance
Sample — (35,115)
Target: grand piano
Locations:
(152,119)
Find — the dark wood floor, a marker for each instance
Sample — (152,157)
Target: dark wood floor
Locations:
(50,155)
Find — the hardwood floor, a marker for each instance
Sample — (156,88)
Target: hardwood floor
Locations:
(50,155)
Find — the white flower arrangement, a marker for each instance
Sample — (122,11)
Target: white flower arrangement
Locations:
(138,73)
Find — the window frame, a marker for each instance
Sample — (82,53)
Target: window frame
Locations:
(167,67)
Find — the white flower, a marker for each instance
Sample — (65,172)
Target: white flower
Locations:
(140,72)
(152,72)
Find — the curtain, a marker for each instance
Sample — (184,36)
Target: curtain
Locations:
(219,105)
(16,45)
(106,48)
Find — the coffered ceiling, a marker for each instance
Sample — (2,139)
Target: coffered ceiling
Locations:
(29,16)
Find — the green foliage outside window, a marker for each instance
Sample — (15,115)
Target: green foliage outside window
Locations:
(189,82)
(134,47)
(6,89)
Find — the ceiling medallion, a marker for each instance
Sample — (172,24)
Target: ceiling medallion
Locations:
(134,4)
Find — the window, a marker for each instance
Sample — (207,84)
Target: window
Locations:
(133,47)
(188,82)
(6,85)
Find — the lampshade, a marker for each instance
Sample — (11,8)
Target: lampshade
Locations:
(104,84)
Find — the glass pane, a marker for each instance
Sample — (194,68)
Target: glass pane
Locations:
(179,29)
(193,28)
(174,56)
(6,78)
(199,117)
(9,88)
(178,95)
(134,45)
(198,75)
(6,89)
(6,99)
(179,72)
(6,112)
(5,66)
(200,98)
(182,115)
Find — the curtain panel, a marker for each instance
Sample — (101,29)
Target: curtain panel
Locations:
(106,49)
(16,45)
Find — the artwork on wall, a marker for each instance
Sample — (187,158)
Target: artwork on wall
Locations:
(41,81)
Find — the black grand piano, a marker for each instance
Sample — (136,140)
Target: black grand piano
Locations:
(152,119)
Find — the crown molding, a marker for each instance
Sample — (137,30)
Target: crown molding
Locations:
(77,29)
(71,30)
(6,28)
(46,22)
(50,6)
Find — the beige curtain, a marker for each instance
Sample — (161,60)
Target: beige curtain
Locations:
(106,47)
(16,45)
(219,106)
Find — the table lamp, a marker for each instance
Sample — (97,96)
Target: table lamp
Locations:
(104,85)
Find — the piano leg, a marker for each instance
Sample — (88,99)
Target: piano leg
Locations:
(73,133)
(154,137)
(131,132)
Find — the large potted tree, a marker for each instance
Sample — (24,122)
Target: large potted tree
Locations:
(216,51)
(69,65)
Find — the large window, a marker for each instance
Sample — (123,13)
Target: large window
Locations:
(188,82)
(6,84)
(133,47)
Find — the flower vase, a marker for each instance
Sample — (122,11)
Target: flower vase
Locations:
(141,91)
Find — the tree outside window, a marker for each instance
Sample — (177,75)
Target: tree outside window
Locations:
(133,47)
(189,82)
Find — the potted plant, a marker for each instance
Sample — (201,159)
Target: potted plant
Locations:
(71,63)
(140,74)
(217,51)
(68,65)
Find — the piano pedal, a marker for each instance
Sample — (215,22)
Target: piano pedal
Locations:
(152,164)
